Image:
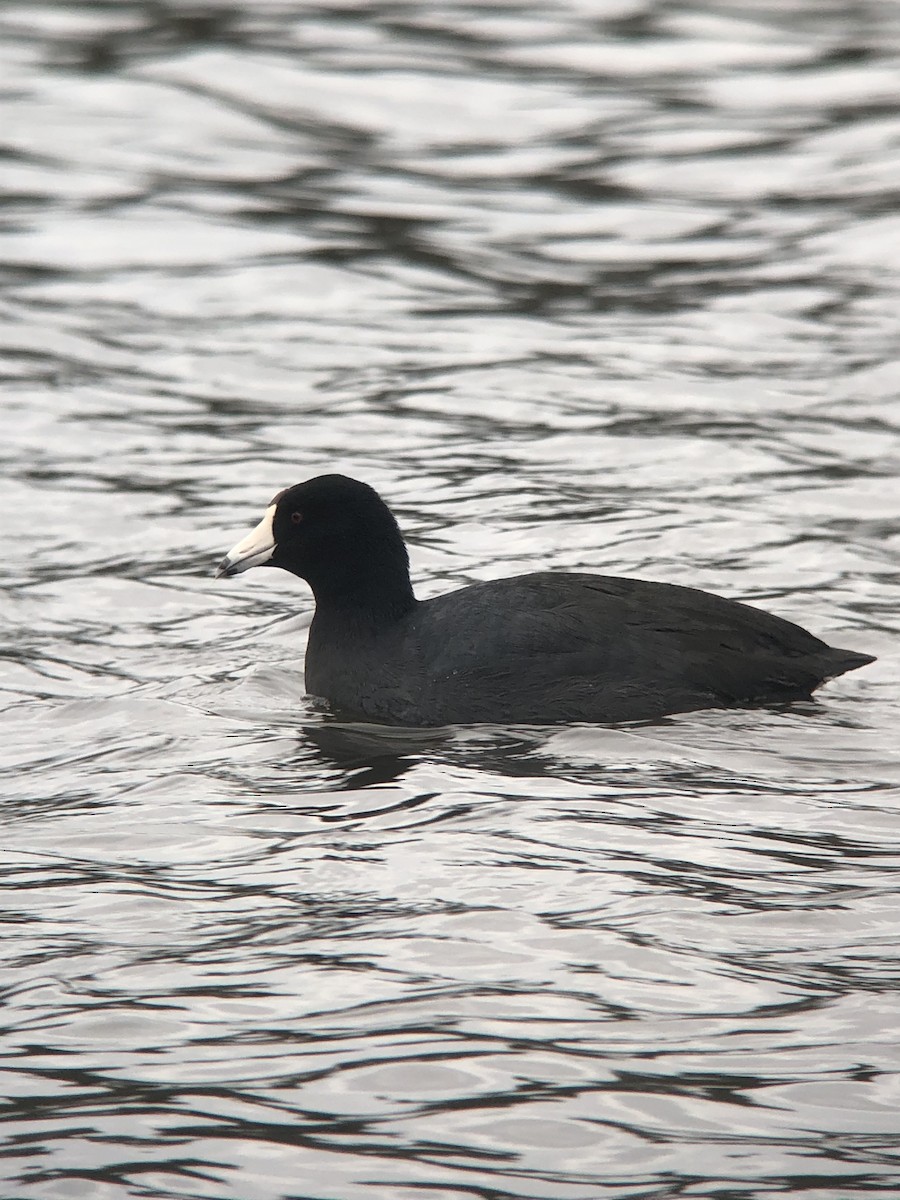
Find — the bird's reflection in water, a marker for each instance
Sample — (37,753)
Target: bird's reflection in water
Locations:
(372,754)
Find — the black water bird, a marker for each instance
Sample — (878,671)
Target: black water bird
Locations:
(533,649)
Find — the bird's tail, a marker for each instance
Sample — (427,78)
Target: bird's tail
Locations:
(842,661)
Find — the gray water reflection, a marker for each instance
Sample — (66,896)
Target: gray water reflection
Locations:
(607,287)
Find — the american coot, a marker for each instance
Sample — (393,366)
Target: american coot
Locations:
(533,649)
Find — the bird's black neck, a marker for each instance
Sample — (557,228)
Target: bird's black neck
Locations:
(366,591)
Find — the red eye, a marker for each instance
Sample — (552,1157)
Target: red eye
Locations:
(296,517)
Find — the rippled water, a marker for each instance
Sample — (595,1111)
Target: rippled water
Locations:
(604,285)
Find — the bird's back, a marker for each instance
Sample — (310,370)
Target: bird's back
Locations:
(581,647)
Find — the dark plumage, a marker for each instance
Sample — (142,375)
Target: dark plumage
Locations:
(535,649)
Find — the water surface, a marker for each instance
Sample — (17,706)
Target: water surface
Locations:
(603,286)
